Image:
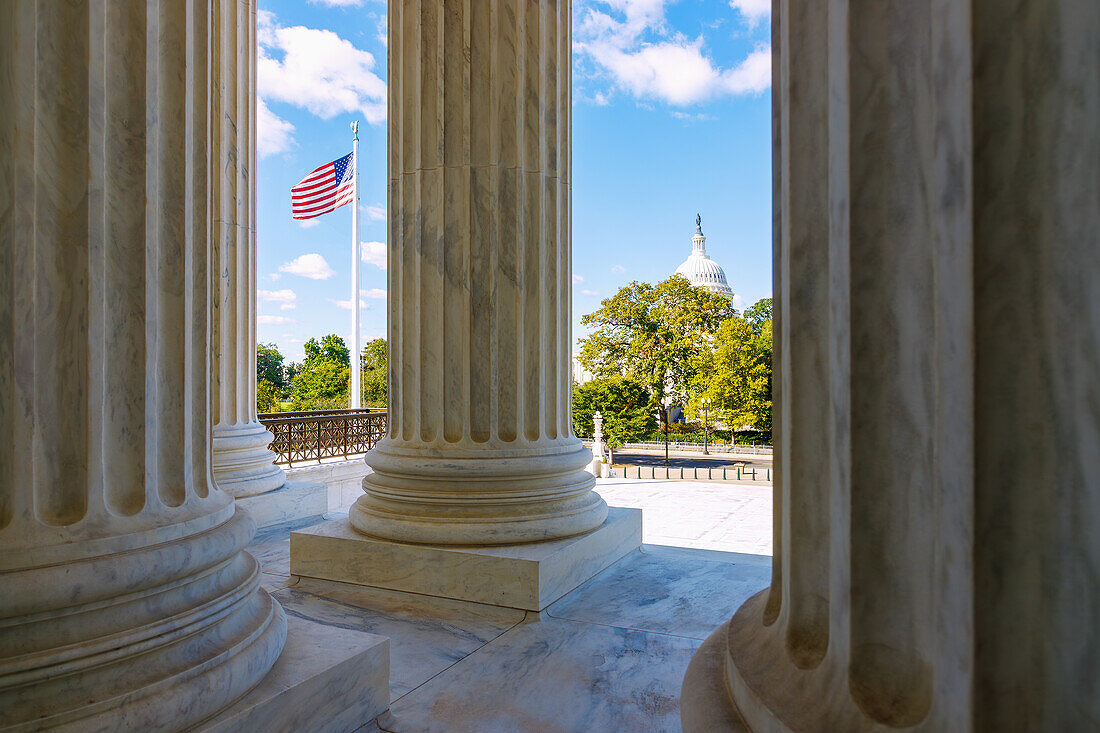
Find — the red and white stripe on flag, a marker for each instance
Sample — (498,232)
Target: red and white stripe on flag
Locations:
(324,189)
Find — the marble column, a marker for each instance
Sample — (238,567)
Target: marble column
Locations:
(126,599)
(937,335)
(480,447)
(243,465)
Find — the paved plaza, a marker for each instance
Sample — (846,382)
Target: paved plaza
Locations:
(706,516)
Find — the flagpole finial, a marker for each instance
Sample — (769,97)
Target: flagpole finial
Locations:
(355,129)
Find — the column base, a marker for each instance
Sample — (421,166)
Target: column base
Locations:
(478,495)
(157,638)
(243,464)
(744,671)
(327,679)
(293,501)
(528,576)
(705,701)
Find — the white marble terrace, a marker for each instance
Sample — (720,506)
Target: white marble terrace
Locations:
(934,517)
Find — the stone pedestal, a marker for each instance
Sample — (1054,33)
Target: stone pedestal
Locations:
(126,599)
(480,448)
(243,465)
(529,576)
(937,335)
(327,679)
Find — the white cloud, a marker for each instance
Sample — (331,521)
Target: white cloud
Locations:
(679,73)
(632,46)
(738,302)
(618,269)
(637,17)
(688,117)
(577,279)
(338,3)
(273,134)
(308,223)
(311,265)
(375,293)
(274,320)
(592,293)
(346,304)
(286,298)
(383,31)
(318,70)
(753,11)
(753,75)
(375,212)
(373,253)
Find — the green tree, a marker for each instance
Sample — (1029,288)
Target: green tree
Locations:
(758,314)
(624,403)
(659,335)
(331,347)
(321,385)
(740,376)
(265,397)
(374,381)
(322,381)
(291,370)
(269,368)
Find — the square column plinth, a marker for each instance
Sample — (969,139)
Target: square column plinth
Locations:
(529,576)
(327,679)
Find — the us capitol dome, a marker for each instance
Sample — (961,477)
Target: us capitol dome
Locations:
(700,270)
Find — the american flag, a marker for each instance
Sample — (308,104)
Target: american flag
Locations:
(324,189)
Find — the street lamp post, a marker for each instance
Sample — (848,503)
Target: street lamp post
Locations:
(706,424)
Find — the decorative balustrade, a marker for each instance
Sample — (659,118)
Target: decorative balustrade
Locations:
(320,434)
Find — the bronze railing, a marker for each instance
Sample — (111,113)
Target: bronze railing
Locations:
(320,434)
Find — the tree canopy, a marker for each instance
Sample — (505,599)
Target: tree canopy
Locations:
(658,335)
(322,382)
(623,402)
(374,381)
(331,348)
(265,397)
(269,368)
(739,381)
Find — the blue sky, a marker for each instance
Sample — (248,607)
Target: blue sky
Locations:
(671,117)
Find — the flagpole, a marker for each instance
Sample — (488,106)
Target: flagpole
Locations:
(355,356)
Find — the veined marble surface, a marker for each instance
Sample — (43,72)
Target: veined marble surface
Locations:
(427,635)
(293,501)
(667,590)
(610,655)
(550,675)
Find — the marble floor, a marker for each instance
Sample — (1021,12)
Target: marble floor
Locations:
(608,656)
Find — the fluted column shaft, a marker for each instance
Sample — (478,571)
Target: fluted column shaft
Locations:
(480,446)
(126,601)
(937,285)
(243,464)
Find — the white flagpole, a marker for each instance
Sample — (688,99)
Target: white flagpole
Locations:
(355,393)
